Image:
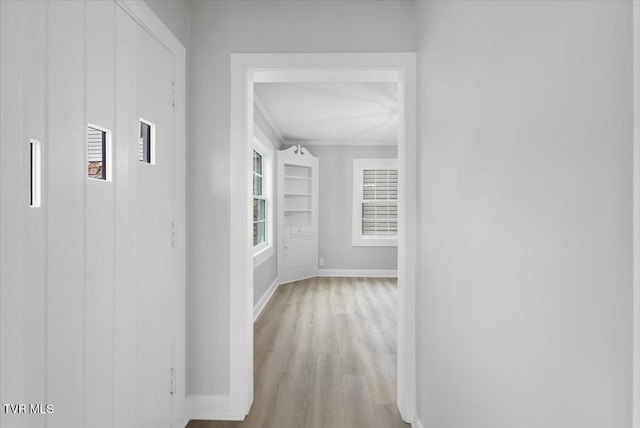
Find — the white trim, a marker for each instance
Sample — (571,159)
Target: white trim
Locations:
(323,71)
(247,69)
(263,138)
(149,21)
(259,307)
(152,140)
(417,423)
(407,225)
(258,102)
(636,215)
(267,251)
(262,255)
(357,238)
(211,407)
(340,143)
(108,153)
(240,249)
(262,144)
(35,148)
(378,241)
(365,273)
(299,277)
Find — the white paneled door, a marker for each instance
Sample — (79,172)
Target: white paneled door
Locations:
(154,224)
(91,271)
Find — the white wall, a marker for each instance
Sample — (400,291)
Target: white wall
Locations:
(636,210)
(175,15)
(525,199)
(218,29)
(336,203)
(265,274)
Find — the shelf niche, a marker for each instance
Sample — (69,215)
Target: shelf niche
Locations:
(297,213)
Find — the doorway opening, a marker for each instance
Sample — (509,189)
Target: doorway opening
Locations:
(249,69)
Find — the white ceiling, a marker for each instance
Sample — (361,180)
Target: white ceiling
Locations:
(331,113)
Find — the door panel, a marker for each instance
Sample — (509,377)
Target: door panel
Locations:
(298,255)
(64,201)
(153,233)
(86,278)
(99,221)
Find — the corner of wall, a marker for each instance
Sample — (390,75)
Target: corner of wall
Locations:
(417,423)
(636,214)
(210,407)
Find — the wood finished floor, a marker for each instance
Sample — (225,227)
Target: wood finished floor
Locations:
(325,357)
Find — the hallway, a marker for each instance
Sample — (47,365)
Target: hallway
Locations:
(325,356)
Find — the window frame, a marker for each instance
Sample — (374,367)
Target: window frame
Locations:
(261,144)
(35,173)
(152,142)
(357,238)
(106,153)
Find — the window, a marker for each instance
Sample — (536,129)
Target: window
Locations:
(35,184)
(146,145)
(375,202)
(98,153)
(259,201)
(261,160)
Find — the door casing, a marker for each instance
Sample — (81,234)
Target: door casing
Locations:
(248,69)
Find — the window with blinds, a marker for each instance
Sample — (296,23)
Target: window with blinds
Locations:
(380,202)
(375,202)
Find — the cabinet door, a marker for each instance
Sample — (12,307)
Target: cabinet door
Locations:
(155,252)
(298,255)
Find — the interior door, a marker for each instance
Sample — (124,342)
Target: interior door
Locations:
(154,226)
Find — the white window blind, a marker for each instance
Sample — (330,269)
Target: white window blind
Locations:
(380,202)
(375,203)
(95,141)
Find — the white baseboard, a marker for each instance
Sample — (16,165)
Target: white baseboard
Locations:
(211,408)
(298,277)
(257,309)
(417,423)
(370,273)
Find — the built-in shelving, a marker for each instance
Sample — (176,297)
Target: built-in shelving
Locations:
(298,208)
(296,177)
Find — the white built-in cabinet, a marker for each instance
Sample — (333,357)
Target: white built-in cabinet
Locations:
(297,214)
(92,278)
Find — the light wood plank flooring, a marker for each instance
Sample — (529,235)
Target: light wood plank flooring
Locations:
(325,357)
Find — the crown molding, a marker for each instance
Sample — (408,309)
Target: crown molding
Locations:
(258,102)
(340,143)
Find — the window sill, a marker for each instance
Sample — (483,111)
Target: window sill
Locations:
(360,241)
(262,255)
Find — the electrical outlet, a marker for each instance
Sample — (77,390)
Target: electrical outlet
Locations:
(321,261)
